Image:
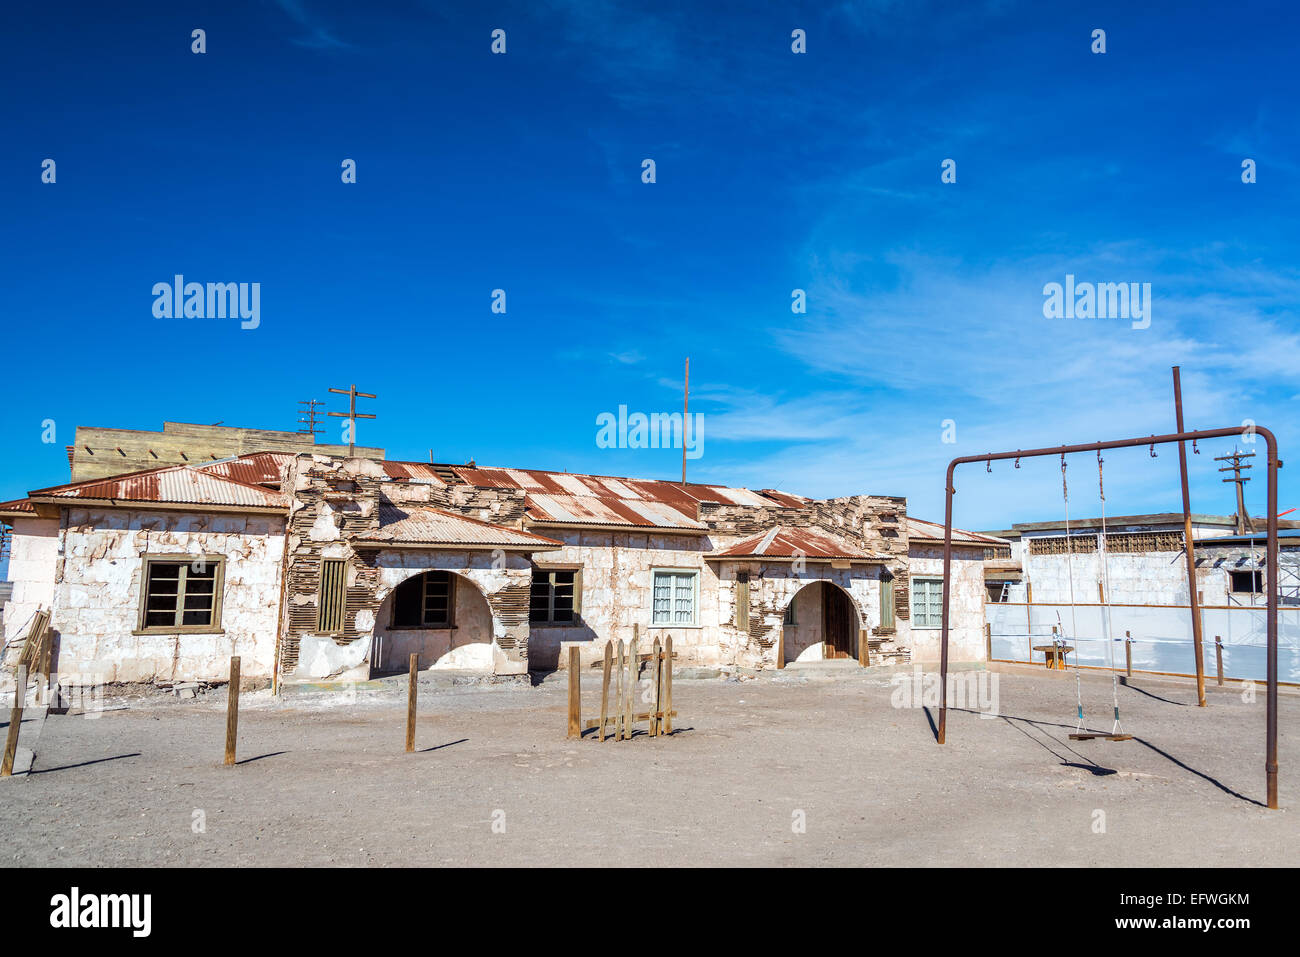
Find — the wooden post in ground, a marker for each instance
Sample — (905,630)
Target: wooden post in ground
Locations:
(988,642)
(668,685)
(620,667)
(656,675)
(1128,653)
(604,687)
(633,669)
(575,694)
(410,704)
(232,711)
(780,648)
(15,721)
(864,648)
(1218,655)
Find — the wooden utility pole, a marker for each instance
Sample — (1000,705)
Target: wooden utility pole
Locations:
(307,416)
(1244,523)
(1188,548)
(353,414)
(686,416)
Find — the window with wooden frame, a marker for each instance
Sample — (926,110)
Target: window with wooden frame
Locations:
(927,602)
(791,619)
(181,595)
(675,597)
(556,596)
(332,599)
(425,601)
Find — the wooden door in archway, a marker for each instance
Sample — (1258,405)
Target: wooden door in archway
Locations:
(840,620)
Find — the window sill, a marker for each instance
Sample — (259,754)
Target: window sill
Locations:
(423,627)
(190,630)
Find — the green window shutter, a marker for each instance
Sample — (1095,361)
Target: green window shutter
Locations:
(887,602)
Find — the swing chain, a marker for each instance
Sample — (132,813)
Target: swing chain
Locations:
(1101,484)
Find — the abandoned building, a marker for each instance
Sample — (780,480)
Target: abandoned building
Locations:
(1144,561)
(314,566)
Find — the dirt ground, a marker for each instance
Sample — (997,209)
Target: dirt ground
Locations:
(769,771)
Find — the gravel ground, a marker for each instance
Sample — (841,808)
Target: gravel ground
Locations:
(325,781)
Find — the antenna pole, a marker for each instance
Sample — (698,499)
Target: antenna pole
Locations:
(352,414)
(686,416)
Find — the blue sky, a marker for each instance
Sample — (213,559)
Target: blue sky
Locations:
(775,171)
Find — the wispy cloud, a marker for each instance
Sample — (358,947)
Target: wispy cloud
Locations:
(317,35)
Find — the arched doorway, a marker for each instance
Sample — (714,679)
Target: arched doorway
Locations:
(440,616)
(821,623)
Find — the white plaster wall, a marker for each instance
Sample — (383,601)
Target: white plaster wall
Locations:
(804,639)
(466,646)
(617,582)
(97,596)
(32,562)
(965,605)
(477,642)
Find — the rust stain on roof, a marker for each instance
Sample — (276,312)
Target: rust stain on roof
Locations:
(180,484)
(424,525)
(919,530)
(781,541)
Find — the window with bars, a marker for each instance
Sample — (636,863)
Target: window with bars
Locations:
(995,553)
(331,602)
(1061,545)
(425,601)
(1139,542)
(927,602)
(553,600)
(181,595)
(674,598)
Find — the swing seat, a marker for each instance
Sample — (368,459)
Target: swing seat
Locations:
(1105,737)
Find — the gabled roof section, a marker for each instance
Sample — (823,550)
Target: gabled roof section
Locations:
(172,485)
(784,543)
(257,468)
(424,525)
(17,508)
(919,530)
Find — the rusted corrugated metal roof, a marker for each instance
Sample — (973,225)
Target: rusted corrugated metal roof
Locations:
(18,505)
(258,468)
(422,525)
(181,484)
(573,498)
(420,472)
(784,542)
(919,530)
(593,510)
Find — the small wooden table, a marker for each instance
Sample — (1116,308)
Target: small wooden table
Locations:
(1054,655)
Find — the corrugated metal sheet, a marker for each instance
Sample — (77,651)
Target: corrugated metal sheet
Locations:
(784,542)
(591,510)
(921,530)
(421,525)
(259,468)
(182,484)
(18,505)
(413,472)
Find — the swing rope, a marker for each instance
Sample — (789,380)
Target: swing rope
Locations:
(1116,728)
(1074,626)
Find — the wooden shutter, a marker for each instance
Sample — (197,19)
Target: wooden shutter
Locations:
(742,601)
(577,593)
(887,602)
(332,599)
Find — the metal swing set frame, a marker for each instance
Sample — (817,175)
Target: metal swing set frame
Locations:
(1271,560)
